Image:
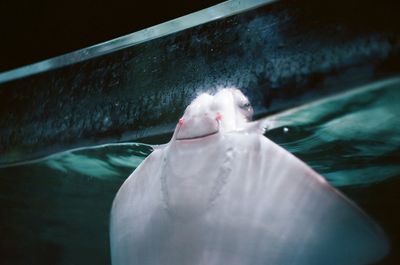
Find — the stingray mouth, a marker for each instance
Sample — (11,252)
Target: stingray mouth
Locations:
(196,128)
(197,136)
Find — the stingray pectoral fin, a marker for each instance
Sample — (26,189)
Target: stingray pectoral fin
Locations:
(323,225)
(136,213)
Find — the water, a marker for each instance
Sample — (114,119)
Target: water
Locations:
(56,210)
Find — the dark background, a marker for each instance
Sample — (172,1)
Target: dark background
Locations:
(31,31)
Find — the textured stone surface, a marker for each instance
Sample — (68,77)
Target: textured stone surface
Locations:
(280,55)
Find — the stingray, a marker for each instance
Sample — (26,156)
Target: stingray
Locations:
(222,193)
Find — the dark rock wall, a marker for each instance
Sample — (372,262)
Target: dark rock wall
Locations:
(281,55)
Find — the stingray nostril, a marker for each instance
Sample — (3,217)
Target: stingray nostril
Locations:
(218,117)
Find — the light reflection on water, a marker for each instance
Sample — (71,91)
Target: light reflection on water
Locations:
(349,137)
(55,210)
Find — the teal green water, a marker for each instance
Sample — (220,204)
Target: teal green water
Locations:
(56,210)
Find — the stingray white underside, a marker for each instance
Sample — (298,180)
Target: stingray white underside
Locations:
(236,199)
